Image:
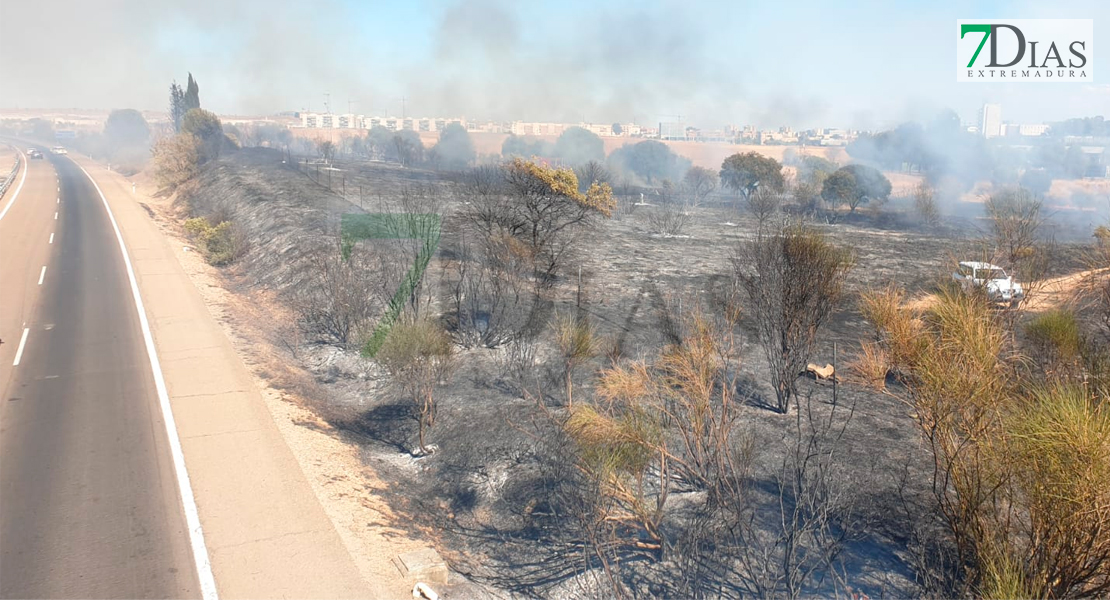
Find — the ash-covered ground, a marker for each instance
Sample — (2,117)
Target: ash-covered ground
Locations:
(485,494)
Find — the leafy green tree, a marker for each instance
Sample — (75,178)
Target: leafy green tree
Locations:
(650,160)
(873,185)
(183,100)
(206,127)
(578,146)
(743,171)
(454,151)
(516,146)
(177,105)
(617,129)
(839,187)
(41,129)
(126,128)
(192,94)
(814,169)
(379,143)
(854,185)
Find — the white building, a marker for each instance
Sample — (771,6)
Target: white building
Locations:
(331,121)
(1032,130)
(990,120)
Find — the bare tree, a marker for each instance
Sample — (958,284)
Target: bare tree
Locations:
(1015,220)
(815,512)
(481,181)
(592,172)
(793,278)
(763,204)
(337,296)
(491,294)
(925,204)
(541,209)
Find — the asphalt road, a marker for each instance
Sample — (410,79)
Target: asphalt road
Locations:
(89,505)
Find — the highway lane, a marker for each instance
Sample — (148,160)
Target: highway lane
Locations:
(89,505)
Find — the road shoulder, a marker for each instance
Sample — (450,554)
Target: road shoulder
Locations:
(266,531)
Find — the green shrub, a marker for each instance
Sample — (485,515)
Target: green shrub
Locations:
(221,244)
(1057,332)
(176,159)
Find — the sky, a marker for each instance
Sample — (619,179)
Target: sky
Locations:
(864,65)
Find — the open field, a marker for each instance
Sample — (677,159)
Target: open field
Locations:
(483,495)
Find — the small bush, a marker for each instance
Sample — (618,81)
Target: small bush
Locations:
(669,219)
(419,355)
(1060,444)
(1057,332)
(899,330)
(925,205)
(870,366)
(221,244)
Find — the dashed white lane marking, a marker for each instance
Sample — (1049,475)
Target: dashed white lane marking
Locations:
(42,275)
(51,238)
(22,178)
(19,350)
(55,215)
(188,501)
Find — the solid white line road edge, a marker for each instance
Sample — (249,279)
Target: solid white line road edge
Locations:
(192,518)
(22,178)
(19,350)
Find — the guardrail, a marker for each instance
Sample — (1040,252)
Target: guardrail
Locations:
(10,178)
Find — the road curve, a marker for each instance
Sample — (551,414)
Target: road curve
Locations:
(89,505)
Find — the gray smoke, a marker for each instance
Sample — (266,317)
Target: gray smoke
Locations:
(807,65)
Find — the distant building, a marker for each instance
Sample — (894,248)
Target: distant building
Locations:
(784,135)
(828,137)
(672,130)
(527,128)
(1094,161)
(990,120)
(599,130)
(1032,130)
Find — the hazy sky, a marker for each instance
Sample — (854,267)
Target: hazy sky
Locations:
(857,64)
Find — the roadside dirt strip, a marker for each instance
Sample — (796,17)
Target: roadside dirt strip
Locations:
(266,534)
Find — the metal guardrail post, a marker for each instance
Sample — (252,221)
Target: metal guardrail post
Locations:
(10,178)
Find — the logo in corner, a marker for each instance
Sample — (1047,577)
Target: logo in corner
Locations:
(1025,50)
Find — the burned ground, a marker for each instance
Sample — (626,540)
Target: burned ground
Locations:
(501,492)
